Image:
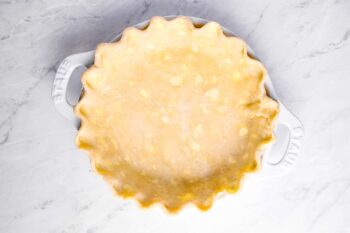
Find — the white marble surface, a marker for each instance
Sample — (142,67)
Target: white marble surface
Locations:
(46,184)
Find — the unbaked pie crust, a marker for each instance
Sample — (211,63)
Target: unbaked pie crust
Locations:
(174,114)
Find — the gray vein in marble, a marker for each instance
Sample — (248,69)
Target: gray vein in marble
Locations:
(312,25)
(35,138)
(333,202)
(146,7)
(304,4)
(259,20)
(7,123)
(44,204)
(330,47)
(5,37)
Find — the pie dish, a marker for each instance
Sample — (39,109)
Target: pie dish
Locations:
(174,113)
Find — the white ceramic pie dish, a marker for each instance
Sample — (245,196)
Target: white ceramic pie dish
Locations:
(277,159)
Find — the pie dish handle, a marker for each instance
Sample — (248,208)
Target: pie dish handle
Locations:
(67,85)
(282,156)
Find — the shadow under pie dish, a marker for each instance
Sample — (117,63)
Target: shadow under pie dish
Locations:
(174,113)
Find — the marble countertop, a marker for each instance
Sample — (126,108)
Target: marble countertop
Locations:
(46,184)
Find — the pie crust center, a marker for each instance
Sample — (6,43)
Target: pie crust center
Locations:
(174,113)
